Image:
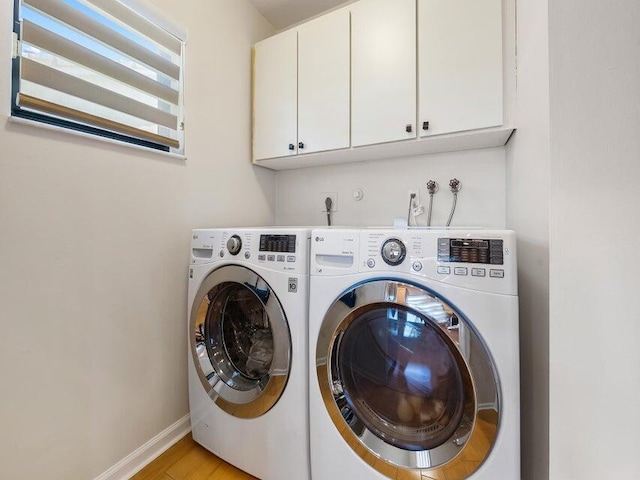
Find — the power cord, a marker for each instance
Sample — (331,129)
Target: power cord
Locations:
(411,198)
(328,203)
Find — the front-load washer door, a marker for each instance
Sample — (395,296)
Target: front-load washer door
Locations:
(240,341)
(412,380)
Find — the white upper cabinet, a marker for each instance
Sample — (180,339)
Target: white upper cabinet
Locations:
(460,65)
(383,79)
(383,71)
(275,107)
(323,83)
(301,89)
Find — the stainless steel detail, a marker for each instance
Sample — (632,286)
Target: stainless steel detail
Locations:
(234,245)
(240,341)
(366,343)
(393,251)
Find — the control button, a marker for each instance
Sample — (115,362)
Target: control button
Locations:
(221,253)
(393,251)
(496,273)
(281,258)
(444,270)
(291,258)
(262,258)
(417,266)
(462,271)
(247,254)
(478,272)
(234,245)
(371,263)
(271,258)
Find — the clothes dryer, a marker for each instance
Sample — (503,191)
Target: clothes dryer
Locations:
(414,360)
(248,389)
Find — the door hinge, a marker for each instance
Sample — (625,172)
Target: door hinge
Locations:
(15,46)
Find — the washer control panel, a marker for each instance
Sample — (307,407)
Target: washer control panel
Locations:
(277,249)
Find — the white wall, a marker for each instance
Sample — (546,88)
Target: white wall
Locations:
(94,246)
(386,183)
(595,224)
(528,214)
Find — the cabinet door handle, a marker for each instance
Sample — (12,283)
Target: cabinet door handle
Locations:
(409,128)
(292,147)
(425,125)
(301,145)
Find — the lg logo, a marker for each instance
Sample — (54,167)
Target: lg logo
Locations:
(319,239)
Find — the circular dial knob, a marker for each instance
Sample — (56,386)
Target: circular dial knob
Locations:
(234,245)
(393,251)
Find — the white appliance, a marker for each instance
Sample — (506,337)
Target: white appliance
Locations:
(248,388)
(414,359)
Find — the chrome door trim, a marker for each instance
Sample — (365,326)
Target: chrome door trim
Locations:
(240,396)
(476,433)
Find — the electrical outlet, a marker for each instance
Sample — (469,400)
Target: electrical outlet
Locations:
(334,201)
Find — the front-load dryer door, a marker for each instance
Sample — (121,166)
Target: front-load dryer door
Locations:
(411,378)
(240,341)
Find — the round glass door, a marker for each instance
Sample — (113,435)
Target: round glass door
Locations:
(402,377)
(240,341)
(411,378)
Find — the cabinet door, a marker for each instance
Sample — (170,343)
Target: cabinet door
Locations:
(275,108)
(383,71)
(460,65)
(323,83)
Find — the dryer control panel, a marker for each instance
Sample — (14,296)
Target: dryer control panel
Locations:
(477,259)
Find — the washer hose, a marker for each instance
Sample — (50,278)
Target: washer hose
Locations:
(455,186)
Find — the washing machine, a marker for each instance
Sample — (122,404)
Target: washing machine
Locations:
(248,388)
(414,359)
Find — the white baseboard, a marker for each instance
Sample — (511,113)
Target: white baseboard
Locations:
(141,457)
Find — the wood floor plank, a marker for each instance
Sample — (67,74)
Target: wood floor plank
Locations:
(190,462)
(187,460)
(156,469)
(229,472)
(204,471)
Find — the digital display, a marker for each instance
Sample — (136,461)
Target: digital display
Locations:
(465,250)
(278,243)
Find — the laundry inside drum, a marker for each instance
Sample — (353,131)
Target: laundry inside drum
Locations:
(401,378)
(246,333)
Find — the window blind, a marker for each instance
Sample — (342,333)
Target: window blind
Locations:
(102,66)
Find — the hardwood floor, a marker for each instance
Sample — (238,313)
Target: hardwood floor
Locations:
(187,460)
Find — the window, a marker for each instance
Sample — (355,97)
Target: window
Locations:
(112,68)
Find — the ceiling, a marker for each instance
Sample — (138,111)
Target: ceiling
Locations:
(284,13)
